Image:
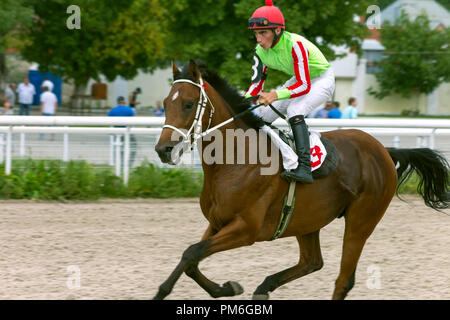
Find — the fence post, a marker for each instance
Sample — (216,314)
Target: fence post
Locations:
(65,146)
(117,146)
(126,157)
(8,151)
(2,148)
(420,142)
(22,144)
(111,149)
(396,142)
(431,139)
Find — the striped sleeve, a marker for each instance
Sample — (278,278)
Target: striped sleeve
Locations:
(258,77)
(301,67)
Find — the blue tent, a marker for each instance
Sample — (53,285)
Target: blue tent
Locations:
(36,78)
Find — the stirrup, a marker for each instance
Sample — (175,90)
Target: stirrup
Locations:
(292,175)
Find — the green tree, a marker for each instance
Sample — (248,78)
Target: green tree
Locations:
(444,3)
(216,31)
(384,3)
(115,38)
(14,15)
(417,59)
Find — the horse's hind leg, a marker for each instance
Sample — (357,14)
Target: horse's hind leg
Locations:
(310,261)
(360,221)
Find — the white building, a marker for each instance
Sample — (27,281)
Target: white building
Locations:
(155,87)
(354,76)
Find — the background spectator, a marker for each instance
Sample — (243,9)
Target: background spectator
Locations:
(133,98)
(350,112)
(47,83)
(10,95)
(323,113)
(49,104)
(159,111)
(122,110)
(335,113)
(26,92)
(7,111)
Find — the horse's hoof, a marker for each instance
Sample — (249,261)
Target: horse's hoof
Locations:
(158,297)
(162,293)
(263,296)
(235,287)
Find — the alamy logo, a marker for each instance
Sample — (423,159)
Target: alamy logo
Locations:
(74,278)
(237,146)
(74,20)
(374,21)
(374,277)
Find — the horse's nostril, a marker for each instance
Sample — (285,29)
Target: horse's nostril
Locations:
(161,149)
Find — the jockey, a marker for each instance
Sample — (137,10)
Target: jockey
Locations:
(311,85)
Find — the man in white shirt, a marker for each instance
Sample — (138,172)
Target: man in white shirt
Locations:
(47,83)
(49,104)
(26,92)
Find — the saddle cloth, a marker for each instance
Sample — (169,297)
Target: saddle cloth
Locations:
(324,156)
(318,150)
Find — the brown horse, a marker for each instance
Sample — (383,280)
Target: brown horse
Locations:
(243,206)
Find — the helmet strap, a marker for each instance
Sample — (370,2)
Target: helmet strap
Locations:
(276,37)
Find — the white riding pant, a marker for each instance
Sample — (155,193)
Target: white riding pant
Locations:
(322,88)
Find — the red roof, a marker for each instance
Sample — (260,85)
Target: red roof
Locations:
(12,50)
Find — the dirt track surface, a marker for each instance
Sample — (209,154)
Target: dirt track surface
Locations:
(124,249)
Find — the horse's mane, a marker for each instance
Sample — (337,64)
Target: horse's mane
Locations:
(230,94)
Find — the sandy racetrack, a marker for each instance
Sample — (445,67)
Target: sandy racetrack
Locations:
(124,249)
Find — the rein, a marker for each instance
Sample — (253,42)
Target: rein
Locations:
(196,128)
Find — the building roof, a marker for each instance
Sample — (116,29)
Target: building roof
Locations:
(372,44)
(436,13)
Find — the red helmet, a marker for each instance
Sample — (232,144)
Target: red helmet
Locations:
(266,17)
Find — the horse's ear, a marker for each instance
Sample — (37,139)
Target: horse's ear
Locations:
(175,69)
(194,71)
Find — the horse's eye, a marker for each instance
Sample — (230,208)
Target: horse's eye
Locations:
(189,105)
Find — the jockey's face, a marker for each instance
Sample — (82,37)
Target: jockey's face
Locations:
(264,37)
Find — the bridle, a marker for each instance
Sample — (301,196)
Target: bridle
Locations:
(195,131)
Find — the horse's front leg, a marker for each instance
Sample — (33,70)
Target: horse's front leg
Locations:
(191,256)
(234,235)
(228,289)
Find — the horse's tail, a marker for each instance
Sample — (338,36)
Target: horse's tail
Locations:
(432,169)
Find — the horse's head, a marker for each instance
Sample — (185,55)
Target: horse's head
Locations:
(184,108)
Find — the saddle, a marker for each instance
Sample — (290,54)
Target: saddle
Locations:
(331,160)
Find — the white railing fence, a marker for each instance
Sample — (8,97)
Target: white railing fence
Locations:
(94,139)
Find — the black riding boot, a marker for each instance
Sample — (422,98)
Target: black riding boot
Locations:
(301,137)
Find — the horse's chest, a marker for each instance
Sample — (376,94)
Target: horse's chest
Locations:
(217,212)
